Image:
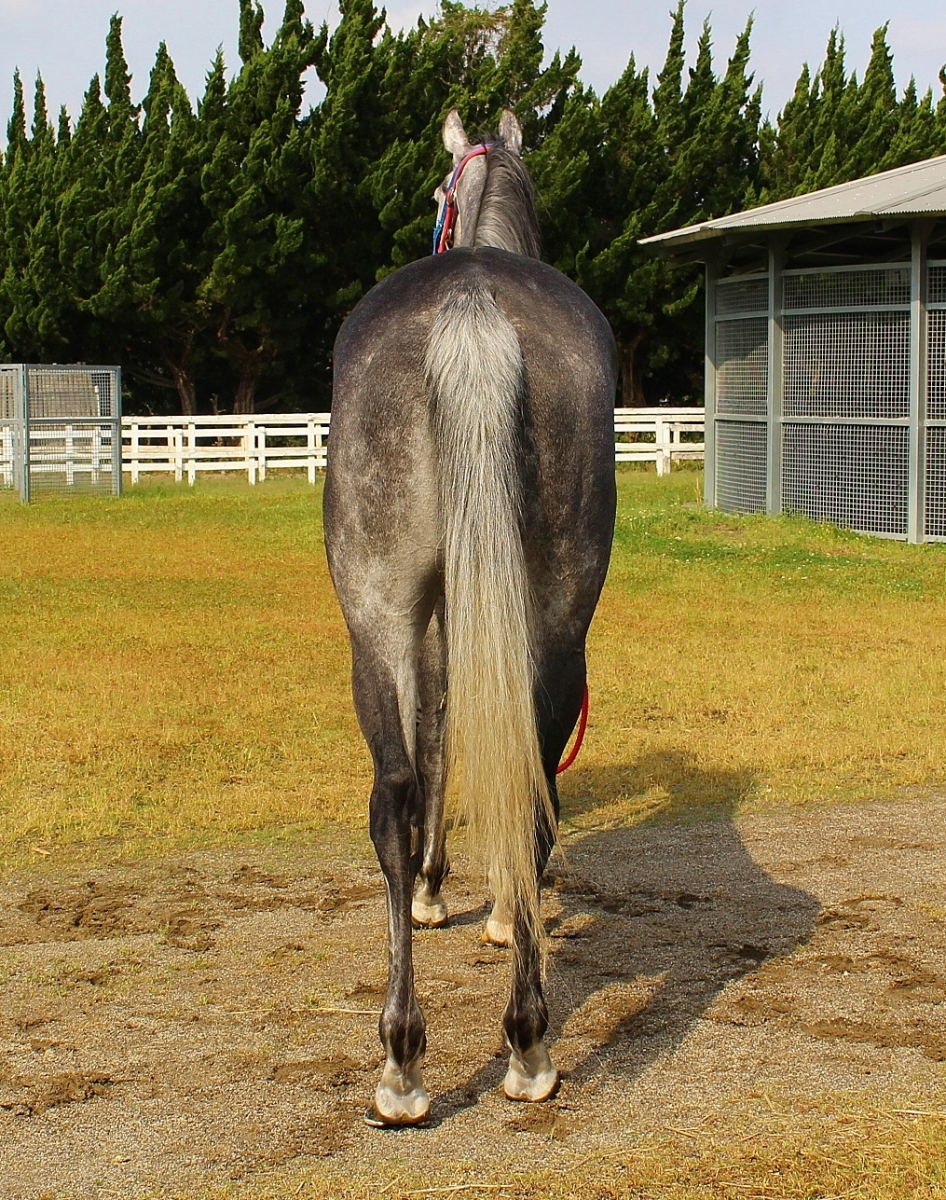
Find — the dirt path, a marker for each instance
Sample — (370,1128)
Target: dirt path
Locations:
(172,1025)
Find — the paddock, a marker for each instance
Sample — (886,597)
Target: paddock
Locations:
(747,954)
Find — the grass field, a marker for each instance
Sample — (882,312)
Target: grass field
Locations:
(173,665)
(174,671)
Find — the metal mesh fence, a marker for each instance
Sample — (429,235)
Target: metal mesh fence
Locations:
(54,392)
(854,475)
(742,360)
(60,429)
(7,455)
(936,387)
(742,296)
(8,382)
(936,285)
(10,428)
(936,482)
(741,462)
(847,365)
(73,456)
(875,287)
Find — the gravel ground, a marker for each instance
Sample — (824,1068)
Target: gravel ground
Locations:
(171,1025)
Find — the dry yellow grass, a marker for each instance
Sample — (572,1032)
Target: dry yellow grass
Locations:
(745,661)
(835,1151)
(174,665)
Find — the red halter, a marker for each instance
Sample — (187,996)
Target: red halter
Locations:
(443,230)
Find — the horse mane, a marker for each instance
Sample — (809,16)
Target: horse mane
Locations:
(507,217)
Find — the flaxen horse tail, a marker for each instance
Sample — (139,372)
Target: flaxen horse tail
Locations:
(475,372)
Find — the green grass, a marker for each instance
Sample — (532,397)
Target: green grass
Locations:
(173,665)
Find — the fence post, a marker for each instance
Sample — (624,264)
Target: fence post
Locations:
(116,413)
(249,445)
(191,453)
(663,449)
(310,448)
(261,451)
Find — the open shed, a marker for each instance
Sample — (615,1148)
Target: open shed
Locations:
(826,353)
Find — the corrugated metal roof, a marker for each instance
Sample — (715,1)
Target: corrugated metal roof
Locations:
(912,191)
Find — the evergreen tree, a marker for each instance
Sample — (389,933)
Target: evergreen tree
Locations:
(255,287)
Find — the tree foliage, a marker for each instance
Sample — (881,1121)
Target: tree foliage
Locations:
(213,248)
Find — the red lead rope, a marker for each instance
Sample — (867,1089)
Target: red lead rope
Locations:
(579,737)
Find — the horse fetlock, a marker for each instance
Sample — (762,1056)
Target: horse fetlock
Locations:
(532,1076)
(498,930)
(400,1097)
(428,908)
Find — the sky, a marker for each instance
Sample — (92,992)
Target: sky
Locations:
(65,39)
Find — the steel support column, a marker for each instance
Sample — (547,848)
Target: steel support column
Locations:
(775,379)
(709,389)
(919,358)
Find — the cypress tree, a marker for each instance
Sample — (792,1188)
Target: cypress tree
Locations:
(255,285)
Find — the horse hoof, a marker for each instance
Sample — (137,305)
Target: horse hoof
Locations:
(497,933)
(376,1121)
(400,1098)
(532,1077)
(430,913)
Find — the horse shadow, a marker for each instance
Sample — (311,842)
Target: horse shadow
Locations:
(654,920)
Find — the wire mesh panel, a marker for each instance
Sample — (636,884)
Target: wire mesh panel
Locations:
(742,358)
(11,427)
(936,386)
(936,482)
(741,461)
(847,365)
(872,287)
(73,418)
(853,475)
(936,284)
(742,296)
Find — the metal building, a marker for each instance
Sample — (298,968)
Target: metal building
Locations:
(826,353)
(60,429)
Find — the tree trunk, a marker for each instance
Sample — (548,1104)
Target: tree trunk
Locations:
(632,388)
(247,361)
(184,385)
(186,391)
(244,398)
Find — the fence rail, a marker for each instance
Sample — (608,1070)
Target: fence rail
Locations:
(186,446)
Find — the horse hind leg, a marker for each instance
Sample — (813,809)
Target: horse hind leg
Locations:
(428,908)
(532,1075)
(395,808)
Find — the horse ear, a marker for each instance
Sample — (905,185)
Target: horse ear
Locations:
(454,135)
(510,131)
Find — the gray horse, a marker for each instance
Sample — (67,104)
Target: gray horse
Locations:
(469,510)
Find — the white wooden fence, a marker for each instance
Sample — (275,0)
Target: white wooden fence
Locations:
(185,446)
(634,427)
(254,444)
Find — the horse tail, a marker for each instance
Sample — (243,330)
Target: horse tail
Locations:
(476,376)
